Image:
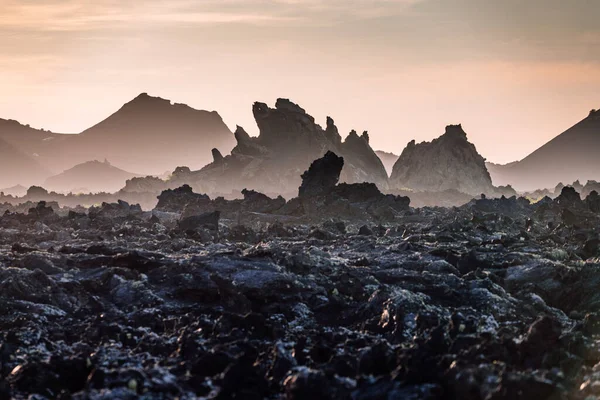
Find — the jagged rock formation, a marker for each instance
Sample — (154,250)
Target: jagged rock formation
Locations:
(572,155)
(388,160)
(89,177)
(448,162)
(319,196)
(149,135)
(289,141)
(17,167)
(172,200)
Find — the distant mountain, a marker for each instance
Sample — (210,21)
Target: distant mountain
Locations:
(16,167)
(449,162)
(89,177)
(151,135)
(148,134)
(572,155)
(17,191)
(388,159)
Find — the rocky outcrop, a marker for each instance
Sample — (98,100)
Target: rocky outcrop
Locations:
(288,142)
(448,162)
(172,200)
(322,176)
(319,196)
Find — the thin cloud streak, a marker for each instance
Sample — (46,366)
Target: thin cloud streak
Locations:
(73,16)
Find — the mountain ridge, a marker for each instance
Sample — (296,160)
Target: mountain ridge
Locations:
(569,156)
(147,133)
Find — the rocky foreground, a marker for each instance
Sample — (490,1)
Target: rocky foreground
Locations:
(341,293)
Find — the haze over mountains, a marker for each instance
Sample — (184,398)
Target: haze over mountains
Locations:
(388,159)
(89,177)
(150,135)
(572,155)
(289,141)
(16,167)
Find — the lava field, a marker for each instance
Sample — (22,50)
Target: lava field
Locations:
(340,293)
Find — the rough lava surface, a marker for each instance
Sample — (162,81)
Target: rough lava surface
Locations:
(340,293)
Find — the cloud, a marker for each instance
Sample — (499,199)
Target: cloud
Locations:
(73,15)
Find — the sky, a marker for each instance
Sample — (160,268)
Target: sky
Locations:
(515,73)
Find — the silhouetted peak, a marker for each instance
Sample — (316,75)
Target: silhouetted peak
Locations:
(259,108)
(357,142)
(286,104)
(594,114)
(365,136)
(217,156)
(455,130)
(145,99)
(144,103)
(448,162)
(241,135)
(330,123)
(332,131)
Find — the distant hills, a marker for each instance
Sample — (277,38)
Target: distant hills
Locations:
(388,160)
(572,155)
(89,177)
(148,134)
(16,167)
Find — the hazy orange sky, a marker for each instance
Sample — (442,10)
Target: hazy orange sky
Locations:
(515,73)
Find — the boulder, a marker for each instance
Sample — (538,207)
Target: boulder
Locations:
(322,175)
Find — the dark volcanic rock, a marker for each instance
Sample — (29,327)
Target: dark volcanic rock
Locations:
(495,299)
(209,221)
(177,199)
(322,175)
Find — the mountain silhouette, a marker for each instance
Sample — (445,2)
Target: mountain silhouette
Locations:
(571,156)
(91,176)
(17,167)
(448,162)
(148,134)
